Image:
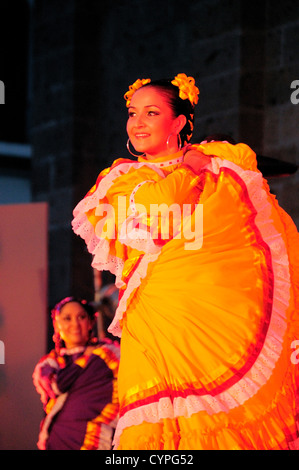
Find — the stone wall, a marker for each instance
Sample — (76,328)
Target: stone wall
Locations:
(281,128)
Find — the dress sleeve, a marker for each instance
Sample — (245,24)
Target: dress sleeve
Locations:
(157,209)
(44,377)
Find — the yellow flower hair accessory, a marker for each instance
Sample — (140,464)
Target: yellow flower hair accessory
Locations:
(187,88)
(132,88)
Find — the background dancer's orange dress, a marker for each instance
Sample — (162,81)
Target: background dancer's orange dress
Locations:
(207,324)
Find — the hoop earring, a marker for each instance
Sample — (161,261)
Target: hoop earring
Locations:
(134,154)
(179,140)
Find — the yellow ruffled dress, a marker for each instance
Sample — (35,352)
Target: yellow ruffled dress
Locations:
(207,268)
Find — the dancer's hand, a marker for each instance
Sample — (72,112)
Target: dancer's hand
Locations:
(196,159)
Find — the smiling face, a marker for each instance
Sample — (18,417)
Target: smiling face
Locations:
(73,325)
(151,122)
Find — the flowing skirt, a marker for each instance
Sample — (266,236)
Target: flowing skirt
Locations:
(208,348)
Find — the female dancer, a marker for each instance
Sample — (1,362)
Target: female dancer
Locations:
(206,263)
(77,382)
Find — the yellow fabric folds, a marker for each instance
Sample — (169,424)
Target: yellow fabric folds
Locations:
(207,321)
